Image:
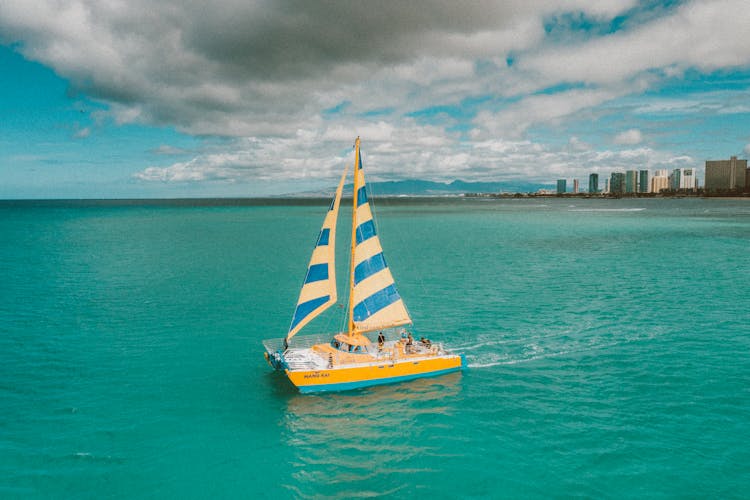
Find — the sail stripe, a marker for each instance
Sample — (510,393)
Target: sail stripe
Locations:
(367,249)
(373,283)
(317,272)
(314,290)
(375,302)
(365,231)
(368,267)
(394,314)
(325,234)
(361,196)
(305,308)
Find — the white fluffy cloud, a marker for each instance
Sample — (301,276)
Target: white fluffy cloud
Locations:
(411,152)
(630,137)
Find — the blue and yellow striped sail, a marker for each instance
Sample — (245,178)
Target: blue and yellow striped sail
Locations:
(374,301)
(319,289)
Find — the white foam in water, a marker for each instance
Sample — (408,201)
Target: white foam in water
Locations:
(517,361)
(534,351)
(489,343)
(606,210)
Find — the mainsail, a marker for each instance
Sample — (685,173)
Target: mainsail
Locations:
(374,302)
(319,289)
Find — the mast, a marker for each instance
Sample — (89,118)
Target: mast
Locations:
(357,166)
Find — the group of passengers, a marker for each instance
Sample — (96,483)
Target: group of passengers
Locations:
(407,340)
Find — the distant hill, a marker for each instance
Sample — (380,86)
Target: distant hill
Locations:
(417,187)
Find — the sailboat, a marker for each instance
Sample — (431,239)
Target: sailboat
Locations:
(377,346)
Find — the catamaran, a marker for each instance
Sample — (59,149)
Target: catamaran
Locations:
(377,346)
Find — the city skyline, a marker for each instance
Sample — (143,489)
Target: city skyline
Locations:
(721,176)
(170,100)
(640,181)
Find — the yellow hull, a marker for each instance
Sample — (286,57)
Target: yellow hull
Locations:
(352,377)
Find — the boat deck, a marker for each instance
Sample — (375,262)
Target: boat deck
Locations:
(308,358)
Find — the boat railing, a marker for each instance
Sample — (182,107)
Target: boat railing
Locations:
(308,340)
(400,350)
(273,345)
(392,337)
(298,342)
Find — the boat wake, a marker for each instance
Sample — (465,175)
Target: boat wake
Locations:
(606,209)
(551,345)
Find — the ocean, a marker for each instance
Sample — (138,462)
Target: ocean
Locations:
(608,344)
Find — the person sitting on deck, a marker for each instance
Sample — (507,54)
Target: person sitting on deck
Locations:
(426,342)
(381,341)
(409,343)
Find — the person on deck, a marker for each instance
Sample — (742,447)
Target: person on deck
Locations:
(381,341)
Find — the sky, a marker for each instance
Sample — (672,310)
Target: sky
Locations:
(179,98)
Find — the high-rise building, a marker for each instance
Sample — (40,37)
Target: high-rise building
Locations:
(575,186)
(617,183)
(659,181)
(561,186)
(593,183)
(682,178)
(606,185)
(674,179)
(643,186)
(725,174)
(688,179)
(631,181)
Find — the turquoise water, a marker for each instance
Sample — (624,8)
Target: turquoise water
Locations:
(608,345)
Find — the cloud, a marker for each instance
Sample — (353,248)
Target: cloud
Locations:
(629,137)
(267,75)
(515,119)
(82,132)
(167,150)
(269,68)
(702,35)
(409,152)
(416,152)
(747,149)
(576,144)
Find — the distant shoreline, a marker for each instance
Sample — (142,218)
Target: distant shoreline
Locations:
(318,200)
(610,196)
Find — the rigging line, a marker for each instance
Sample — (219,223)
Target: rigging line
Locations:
(400,237)
(371,199)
